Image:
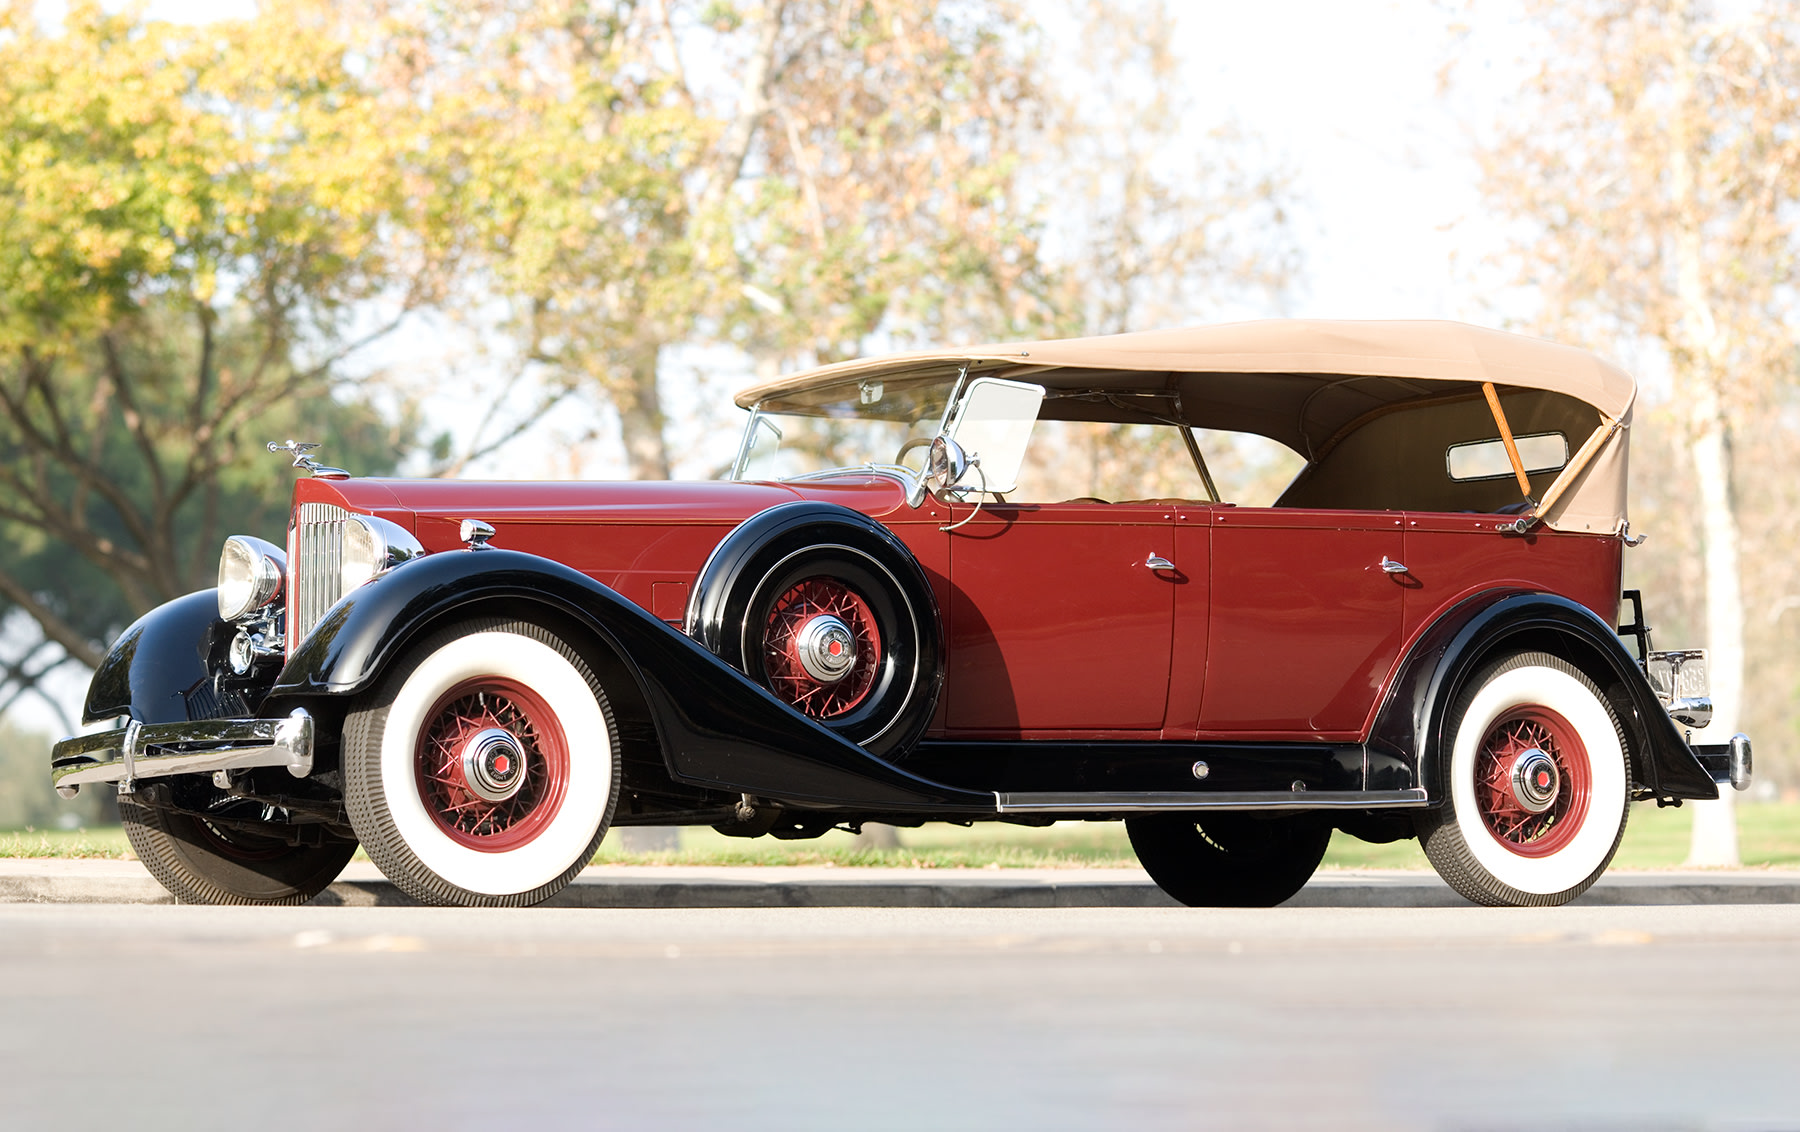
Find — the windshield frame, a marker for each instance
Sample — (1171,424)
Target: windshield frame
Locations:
(914,481)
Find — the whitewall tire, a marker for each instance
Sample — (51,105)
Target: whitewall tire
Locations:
(1537,785)
(483,770)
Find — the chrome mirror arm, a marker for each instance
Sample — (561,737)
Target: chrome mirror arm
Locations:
(915,494)
(974,465)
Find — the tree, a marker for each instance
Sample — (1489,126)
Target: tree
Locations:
(1160,214)
(798,178)
(621,198)
(186,217)
(1654,162)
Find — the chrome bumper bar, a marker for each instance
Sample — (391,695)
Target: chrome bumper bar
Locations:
(137,750)
(1727,762)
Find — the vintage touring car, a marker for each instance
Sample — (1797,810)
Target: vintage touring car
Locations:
(988,584)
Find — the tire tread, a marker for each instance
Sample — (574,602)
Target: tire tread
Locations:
(169,859)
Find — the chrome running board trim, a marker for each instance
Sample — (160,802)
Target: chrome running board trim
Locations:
(1152,801)
(201,746)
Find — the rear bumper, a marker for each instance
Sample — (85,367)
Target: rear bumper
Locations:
(1727,762)
(136,751)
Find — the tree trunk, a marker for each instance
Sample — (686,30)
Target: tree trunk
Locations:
(646,838)
(876,835)
(1715,840)
(1703,352)
(639,404)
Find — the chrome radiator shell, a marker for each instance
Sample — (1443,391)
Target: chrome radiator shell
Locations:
(315,566)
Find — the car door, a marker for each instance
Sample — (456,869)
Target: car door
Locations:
(1305,622)
(1059,619)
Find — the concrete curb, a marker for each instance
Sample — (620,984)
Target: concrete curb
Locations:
(125,882)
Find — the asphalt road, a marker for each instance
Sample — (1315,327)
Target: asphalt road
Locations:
(812,1018)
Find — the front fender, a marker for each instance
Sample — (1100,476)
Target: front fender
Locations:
(156,662)
(1409,729)
(716,727)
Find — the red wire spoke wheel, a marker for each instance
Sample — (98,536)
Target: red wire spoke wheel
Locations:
(821,647)
(483,768)
(1535,784)
(492,764)
(1532,781)
(843,637)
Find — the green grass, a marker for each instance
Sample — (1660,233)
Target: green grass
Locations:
(1769,837)
(106,842)
(1067,845)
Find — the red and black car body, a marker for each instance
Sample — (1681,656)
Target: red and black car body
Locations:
(920,634)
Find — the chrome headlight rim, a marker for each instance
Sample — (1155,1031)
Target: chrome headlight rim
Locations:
(252,576)
(371,547)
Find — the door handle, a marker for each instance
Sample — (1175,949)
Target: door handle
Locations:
(1158,562)
(1389,566)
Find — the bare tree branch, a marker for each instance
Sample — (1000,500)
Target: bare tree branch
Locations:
(54,626)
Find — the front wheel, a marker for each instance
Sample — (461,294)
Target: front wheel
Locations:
(483,770)
(1229,858)
(224,857)
(1537,785)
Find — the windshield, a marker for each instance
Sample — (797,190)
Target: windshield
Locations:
(859,425)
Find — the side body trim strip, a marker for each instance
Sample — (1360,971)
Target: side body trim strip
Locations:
(1146,801)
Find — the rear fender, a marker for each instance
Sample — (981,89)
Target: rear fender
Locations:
(1406,744)
(715,727)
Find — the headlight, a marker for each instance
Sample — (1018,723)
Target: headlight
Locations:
(372,546)
(250,575)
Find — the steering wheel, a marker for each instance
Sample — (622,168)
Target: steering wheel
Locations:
(910,444)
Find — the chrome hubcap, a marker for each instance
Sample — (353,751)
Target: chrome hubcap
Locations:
(493,764)
(826,648)
(1535,781)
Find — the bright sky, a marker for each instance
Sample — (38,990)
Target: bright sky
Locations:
(1345,94)
(1348,95)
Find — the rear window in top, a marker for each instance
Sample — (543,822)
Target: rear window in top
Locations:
(1487,460)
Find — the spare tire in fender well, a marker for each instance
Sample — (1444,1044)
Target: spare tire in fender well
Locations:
(747,556)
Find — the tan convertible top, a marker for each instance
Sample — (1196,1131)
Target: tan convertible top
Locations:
(1306,382)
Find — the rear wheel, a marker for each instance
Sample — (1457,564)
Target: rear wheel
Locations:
(226,861)
(1229,858)
(484,769)
(1538,789)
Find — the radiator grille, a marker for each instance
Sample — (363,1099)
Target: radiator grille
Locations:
(315,566)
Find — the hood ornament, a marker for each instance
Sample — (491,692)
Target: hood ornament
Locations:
(299,450)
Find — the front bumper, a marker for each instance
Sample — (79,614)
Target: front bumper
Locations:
(136,751)
(1727,762)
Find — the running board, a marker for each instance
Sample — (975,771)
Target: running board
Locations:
(1152,801)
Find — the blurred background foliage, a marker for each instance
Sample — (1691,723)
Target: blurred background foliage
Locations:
(205,229)
(209,235)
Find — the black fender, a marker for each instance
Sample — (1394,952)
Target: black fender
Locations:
(716,728)
(157,661)
(744,556)
(1407,739)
